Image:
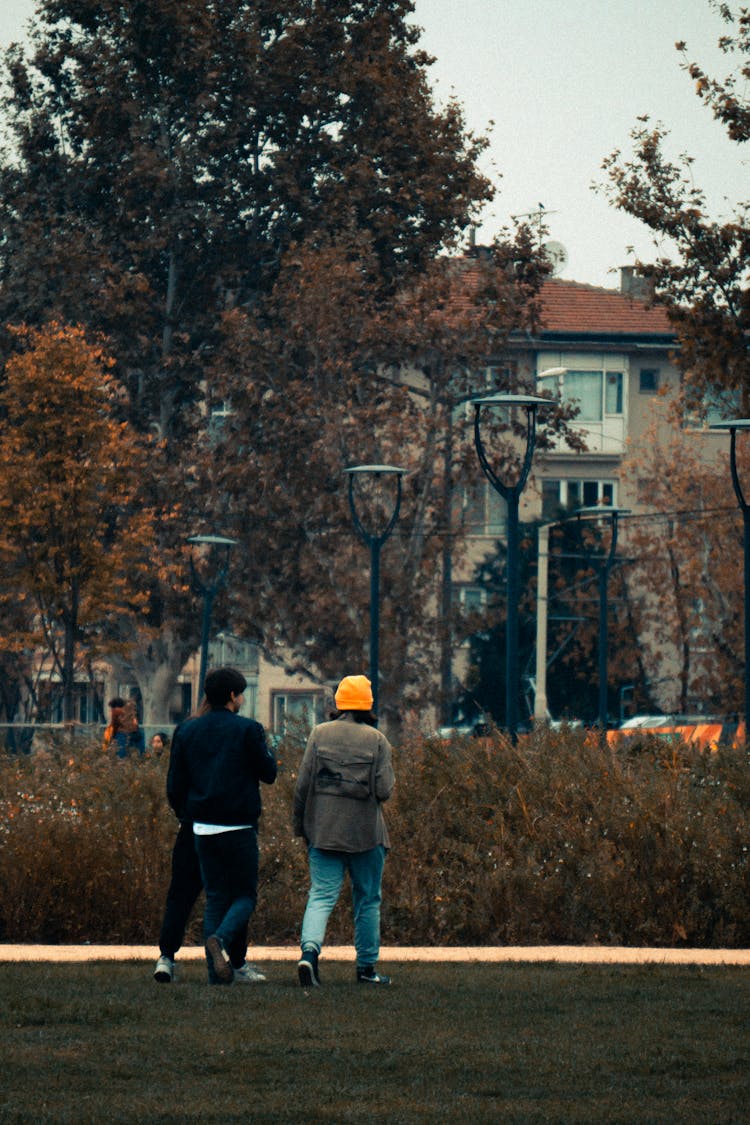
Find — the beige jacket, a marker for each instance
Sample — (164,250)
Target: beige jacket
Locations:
(345,775)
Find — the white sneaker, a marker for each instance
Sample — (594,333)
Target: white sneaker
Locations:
(164,971)
(248,974)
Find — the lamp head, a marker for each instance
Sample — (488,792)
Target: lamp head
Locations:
(597,510)
(528,401)
(731,424)
(375,469)
(212,541)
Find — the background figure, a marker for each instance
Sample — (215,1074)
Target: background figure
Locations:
(216,765)
(115,715)
(159,743)
(345,775)
(123,732)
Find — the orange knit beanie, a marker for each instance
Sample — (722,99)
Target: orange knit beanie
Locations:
(354,693)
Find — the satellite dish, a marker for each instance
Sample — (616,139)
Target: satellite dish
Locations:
(557,255)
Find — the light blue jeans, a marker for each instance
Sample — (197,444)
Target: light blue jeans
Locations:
(327,870)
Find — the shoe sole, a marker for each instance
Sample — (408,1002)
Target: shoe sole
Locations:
(306,974)
(163,977)
(222,967)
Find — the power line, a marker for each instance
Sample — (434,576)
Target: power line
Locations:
(684,513)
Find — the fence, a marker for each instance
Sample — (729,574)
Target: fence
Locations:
(23,738)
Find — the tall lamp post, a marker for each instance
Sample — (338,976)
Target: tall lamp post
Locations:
(604,567)
(542,615)
(511,493)
(374,529)
(735,426)
(222,548)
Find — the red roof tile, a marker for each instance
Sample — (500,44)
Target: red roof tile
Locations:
(574,308)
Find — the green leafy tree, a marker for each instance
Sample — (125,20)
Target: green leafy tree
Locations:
(73,528)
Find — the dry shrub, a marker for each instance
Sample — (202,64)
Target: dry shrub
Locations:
(86,841)
(558,840)
(553,840)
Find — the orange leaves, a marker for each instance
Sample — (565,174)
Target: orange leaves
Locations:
(70,481)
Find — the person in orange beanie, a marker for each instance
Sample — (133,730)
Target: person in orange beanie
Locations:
(345,776)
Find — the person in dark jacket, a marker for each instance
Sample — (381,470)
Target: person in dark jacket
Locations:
(216,765)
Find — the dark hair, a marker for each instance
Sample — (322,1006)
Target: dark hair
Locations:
(368,717)
(116,702)
(221,683)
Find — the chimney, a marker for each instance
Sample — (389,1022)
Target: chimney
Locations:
(633,284)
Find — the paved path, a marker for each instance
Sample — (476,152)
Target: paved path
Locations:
(571,954)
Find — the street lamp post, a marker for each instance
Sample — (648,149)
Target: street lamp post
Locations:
(735,425)
(374,536)
(541,708)
(511,493)
(209,590)
(605,561)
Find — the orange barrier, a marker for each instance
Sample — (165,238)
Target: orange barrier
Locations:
(703,736)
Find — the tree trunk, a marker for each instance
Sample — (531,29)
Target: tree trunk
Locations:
(156,666)
(69,655)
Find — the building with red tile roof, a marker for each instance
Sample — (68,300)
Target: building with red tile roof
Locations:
(574,311)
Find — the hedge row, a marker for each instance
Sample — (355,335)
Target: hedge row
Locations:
(554,840)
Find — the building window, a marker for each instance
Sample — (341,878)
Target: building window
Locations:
(562,496)
(217,420)
(493,379)
(296,708)
(228,650)
(483,510)
(86,708)
(597,394)
(648,381)
(470,599)
(718,405)
(470,604)
(182,702)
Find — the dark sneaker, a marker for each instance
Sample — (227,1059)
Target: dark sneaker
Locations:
(370,975)
(219,959)
(307,969)
(164,971)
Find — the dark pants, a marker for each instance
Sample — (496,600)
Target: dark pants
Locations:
(184,887)
(229,865)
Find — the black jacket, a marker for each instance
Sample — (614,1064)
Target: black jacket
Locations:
(215,765)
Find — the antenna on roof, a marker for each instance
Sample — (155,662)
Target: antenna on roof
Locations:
(538,216)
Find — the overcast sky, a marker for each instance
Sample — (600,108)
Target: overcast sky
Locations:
(564,82)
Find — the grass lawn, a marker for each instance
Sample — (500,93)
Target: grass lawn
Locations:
(445,1043)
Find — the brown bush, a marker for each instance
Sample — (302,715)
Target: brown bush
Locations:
(554,840)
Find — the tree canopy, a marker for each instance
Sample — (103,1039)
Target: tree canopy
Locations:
(166,154)
(75,531)
(701,275)
(244,198)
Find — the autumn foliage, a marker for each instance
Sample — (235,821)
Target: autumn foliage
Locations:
(555,840)
(73,525)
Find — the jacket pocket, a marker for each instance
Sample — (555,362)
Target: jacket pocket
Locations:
(339,776)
